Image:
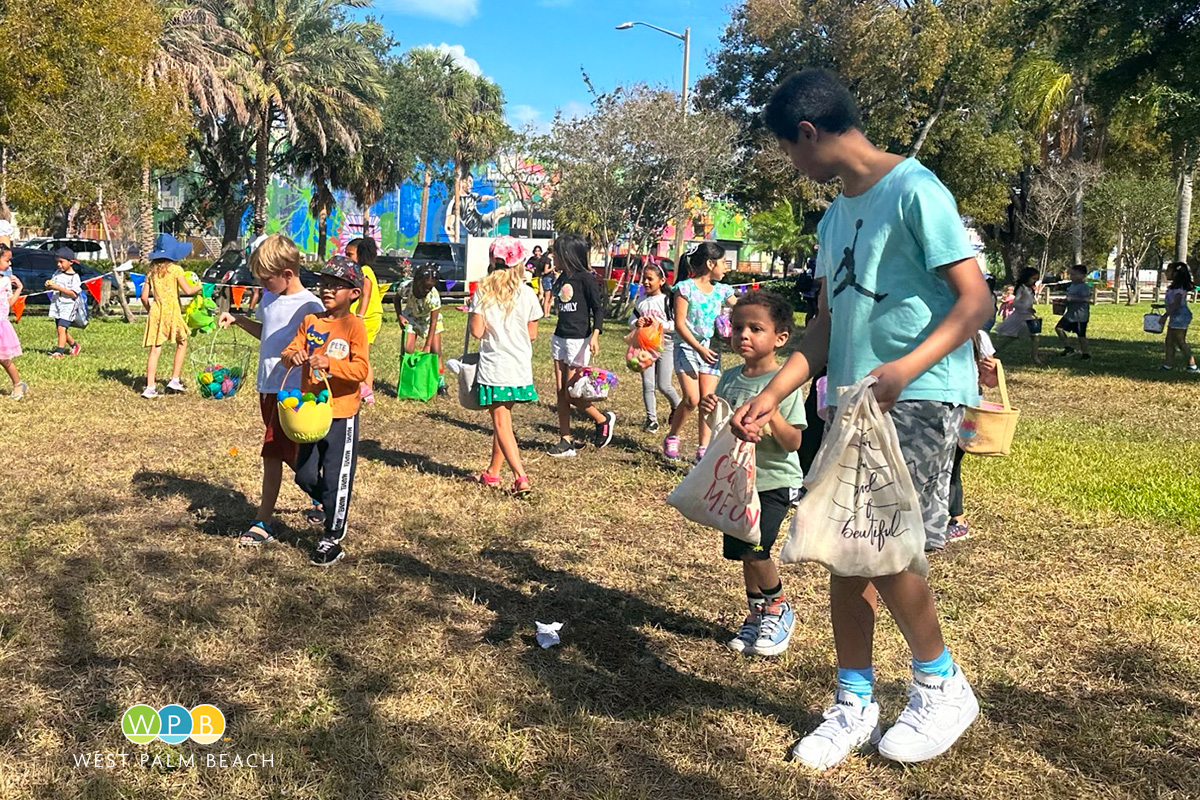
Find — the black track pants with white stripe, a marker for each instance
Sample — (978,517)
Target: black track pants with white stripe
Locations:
(325,471)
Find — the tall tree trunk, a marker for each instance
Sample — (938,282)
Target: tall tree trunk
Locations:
(1077,226)
(145,213)
(1188,163)
(423,230)
(262,169)
(322,237)
(919,142)
(231,217)
(109,243)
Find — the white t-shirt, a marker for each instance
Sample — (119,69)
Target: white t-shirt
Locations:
(63,307)
(281,315)
(505,351)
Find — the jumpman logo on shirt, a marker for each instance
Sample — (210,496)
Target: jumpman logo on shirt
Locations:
(851,280)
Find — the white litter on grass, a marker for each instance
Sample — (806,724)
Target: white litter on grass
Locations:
(547,633)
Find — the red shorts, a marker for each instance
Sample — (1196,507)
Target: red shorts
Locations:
(275,441)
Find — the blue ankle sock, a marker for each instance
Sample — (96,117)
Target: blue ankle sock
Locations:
(859,682)
(942,666)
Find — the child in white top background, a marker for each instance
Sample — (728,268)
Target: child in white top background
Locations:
(657,305)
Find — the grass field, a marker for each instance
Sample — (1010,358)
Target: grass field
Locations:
(410,669)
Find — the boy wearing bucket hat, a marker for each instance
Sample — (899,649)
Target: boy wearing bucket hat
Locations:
(331,349)
(66,286)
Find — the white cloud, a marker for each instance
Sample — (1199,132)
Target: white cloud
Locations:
(457,11)
(573,109)
(522,114)
(459,53)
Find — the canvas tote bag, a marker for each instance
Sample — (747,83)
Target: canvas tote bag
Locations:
(860,515)
(719,491)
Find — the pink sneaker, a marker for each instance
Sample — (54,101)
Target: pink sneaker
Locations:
(367,395)
(670,447)
(75,349)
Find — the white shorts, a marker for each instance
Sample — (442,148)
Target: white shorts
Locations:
(574,352)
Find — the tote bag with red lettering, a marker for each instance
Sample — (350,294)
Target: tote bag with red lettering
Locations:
(860,515)
(719,491)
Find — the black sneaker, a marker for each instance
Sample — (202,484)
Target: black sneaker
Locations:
(564,449)
(1067,351)
(328,552)
(651,425)
(443,391)
(604,430)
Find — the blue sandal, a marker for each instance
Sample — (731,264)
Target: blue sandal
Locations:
(257,535)
(315,514)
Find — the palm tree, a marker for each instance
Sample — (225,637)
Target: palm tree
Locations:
(308,69)
(477,128)
(777,232)
(428,73)
(194,55)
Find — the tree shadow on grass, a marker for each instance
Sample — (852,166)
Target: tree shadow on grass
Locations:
(1136,360)
(123,377)
(219,510)
(373,450)
(607,666)
(1111,735)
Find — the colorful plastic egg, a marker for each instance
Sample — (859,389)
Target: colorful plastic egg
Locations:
(308,397)
(290,402)
(226,386)
(206,377)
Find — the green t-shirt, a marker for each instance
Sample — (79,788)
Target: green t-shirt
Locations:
(775,467)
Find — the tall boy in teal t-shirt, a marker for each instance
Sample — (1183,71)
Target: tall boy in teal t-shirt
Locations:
(902,296)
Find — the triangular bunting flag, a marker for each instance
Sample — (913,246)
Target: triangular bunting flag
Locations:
(18,307)
(238,291)
(450,284)
(137,279)
(93,287)
(754,287)
(206,289)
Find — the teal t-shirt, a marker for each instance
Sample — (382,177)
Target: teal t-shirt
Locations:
(775,468)
(879,255)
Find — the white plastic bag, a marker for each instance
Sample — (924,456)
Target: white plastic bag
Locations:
(720,491)
(860,515)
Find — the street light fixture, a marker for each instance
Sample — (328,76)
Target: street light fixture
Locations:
(685,37)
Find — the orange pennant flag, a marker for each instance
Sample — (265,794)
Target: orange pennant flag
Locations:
(754,286)
(93,287)
(238,291)
(18,307)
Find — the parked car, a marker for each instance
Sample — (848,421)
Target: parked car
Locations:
(33,267)
(451,259)
(232,269)
(85,249)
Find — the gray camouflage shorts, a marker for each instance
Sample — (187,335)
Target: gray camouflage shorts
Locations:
(928,433)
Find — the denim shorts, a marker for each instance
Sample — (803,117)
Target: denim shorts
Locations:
(689,362)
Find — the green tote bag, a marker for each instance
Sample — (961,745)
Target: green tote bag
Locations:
(418,376)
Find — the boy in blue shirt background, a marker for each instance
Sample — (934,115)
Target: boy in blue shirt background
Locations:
(902,296)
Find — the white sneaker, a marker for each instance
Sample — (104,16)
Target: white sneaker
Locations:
(151,393)
(847,727)
(176,385)
(748,633)
(939,710)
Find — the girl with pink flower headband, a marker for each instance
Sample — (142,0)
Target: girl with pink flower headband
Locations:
(503,316)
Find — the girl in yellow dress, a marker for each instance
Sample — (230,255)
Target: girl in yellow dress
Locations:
(369,307)
(165,280)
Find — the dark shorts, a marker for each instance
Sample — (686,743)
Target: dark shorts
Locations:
(775,504)
(1077,328)
(63,323)
(275,441)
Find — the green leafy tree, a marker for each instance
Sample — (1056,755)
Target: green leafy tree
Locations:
(306,67)
(777,231)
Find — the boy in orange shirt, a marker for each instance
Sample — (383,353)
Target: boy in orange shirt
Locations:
(334,346)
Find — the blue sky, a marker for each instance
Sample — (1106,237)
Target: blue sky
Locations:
(534,48)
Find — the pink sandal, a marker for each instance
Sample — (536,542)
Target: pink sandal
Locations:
(521,485)
(488,480)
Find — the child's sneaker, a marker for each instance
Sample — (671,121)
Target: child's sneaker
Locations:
(847,727)
(650,425)
(938,711)
(957,532)
(75,348)
(150,393)
(328,552)
(700,451)
(58,352)
(670,447)
(564,449)
(748,633)
(604,430)
(175,386)
(1193,368)
(19,391)
(775,630)
(443,391)
(367,394)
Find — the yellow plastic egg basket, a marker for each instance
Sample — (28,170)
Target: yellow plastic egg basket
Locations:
(308,424)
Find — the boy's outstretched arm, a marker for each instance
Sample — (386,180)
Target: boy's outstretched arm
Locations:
(967,315)
(809,360)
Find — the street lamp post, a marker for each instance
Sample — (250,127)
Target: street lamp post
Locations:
(686,38)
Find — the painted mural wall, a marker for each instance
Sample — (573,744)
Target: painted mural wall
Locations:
(494,194)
